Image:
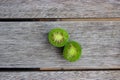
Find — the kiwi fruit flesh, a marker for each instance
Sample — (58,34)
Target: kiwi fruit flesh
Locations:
(58,37)
(72,51)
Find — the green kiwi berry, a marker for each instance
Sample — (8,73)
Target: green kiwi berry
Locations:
(72,51)
(58,37)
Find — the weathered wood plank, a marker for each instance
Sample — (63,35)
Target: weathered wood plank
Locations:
(75,75)
(59,8)
(25,44)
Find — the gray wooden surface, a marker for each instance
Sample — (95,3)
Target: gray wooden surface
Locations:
(59,8)
(75,75)
(25,44)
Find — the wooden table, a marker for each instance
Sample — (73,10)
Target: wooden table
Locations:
(25,53)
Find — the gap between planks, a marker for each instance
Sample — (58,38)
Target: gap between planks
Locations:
(56,69)
(57,19)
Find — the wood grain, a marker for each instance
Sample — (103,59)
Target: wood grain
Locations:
(25,44)
(59,8)
(75,75)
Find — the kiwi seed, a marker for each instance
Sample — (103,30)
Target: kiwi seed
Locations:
(72,51)
(58,37)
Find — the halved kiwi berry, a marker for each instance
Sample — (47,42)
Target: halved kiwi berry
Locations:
(72,51)
(58,37)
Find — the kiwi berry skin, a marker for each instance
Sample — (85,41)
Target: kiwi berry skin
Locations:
(72,51)
(58,37)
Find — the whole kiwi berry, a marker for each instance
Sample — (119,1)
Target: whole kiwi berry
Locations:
(58,37)
(72,51)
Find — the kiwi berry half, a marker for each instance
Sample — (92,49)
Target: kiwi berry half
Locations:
(58,37)
(72,51)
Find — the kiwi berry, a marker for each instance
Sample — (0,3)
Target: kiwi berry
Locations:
(58,37)
(72,51)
